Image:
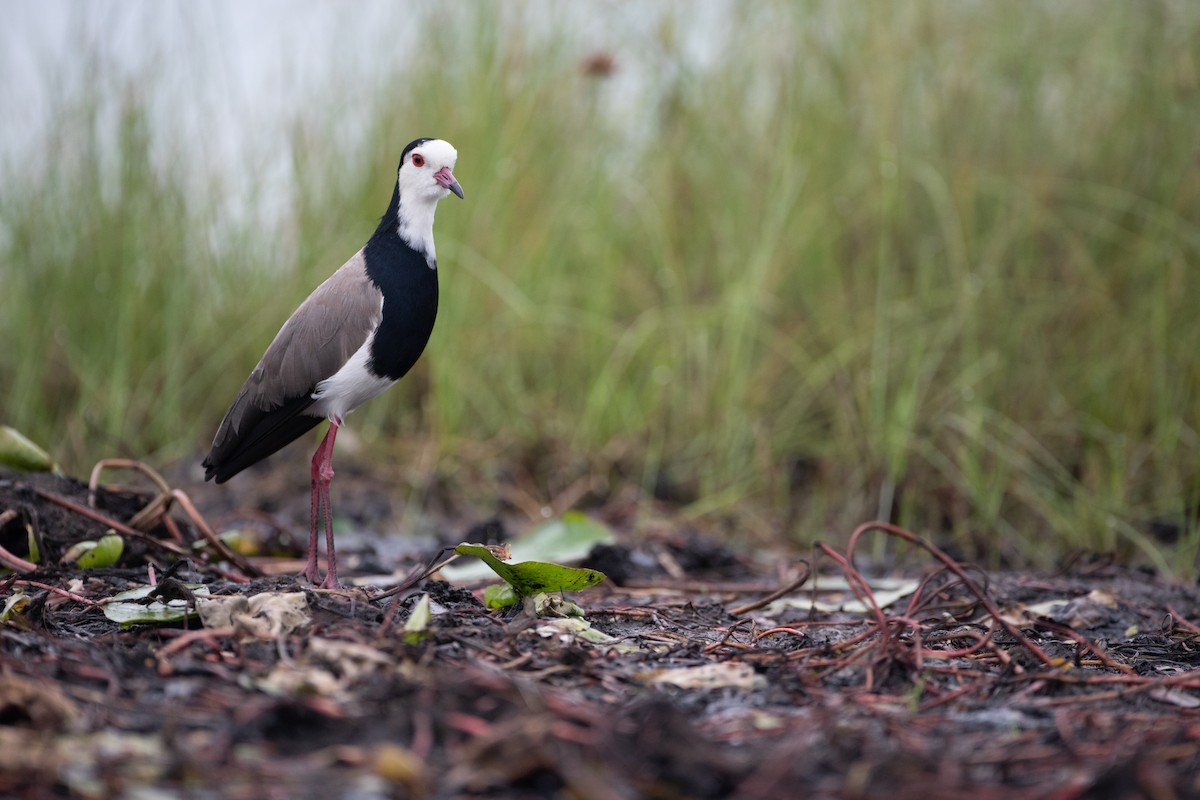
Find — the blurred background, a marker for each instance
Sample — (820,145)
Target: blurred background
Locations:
(783,266)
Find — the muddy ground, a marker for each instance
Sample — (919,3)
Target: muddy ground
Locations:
(685,678)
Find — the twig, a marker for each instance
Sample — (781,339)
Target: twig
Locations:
(775,595)
(121,527)
(55,590)
(143,520)
(208,634)
(226,552)
(957,569)
(1179,620)
(1083,643)
(15,562)
(104,519)
(7,558)
(123,463)
(724,640)
(418,574)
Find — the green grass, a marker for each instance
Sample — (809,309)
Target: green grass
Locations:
(929,260)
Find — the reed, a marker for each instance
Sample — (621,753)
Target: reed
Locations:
(930,261)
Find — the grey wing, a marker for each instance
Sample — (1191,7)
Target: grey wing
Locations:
(328,327)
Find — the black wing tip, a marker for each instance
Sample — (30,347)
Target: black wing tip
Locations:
(212,470)
(267,433)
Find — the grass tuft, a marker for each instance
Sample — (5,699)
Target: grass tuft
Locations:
(927,262)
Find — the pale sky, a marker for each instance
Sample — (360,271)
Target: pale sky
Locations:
(233,67)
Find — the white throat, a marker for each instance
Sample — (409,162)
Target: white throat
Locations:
(420,192)
(414,223)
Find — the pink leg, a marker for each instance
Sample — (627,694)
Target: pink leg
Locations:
(331,580)
(311,572)
(322,474)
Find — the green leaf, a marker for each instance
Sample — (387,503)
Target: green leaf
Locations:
(125,610)
(103,553)
(14,605)
(530,577)
(75,551)
(35,556)
(20,453)
(499,595)
(416,627)
(569,538)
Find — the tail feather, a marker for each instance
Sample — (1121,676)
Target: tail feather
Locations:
(259,434)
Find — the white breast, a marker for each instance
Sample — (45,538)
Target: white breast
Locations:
(349,387)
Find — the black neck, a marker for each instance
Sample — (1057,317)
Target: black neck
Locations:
(389,223)
(409,287)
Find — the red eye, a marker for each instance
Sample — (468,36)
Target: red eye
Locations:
(418,160)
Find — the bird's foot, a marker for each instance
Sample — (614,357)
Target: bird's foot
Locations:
(311,573)
(331,582)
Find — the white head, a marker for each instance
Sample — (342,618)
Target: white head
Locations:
(425,176)
(427,171)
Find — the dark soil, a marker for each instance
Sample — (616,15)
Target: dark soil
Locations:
(1089,690)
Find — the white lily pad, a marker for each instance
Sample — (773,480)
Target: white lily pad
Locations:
(124,610)
(834,595)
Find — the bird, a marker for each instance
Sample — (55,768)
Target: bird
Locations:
(355,336)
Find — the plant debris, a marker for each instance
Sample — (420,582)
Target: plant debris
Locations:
(727,676)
